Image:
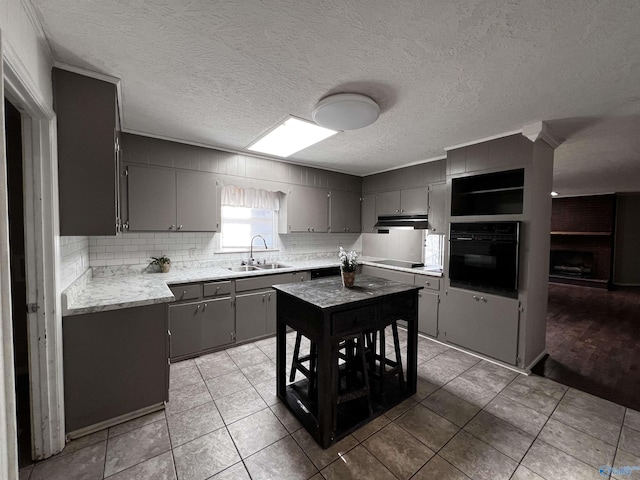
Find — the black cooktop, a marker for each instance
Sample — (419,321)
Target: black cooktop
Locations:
(400,263)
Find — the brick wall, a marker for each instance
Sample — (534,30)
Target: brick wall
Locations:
(589,214)
(594,213)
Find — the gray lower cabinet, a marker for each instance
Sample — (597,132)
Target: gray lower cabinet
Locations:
(484,323)
(197,327)
(428,313)
(218,323)
(252,312)
(115,363)
(428,298)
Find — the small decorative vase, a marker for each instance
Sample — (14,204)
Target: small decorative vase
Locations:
(348,278)
(165,267)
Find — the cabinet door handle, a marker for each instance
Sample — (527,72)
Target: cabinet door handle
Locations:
(184,293)
(172,227)
(482,299)
(397,211)
(205,306)
(475,297)
(313,229)
(179,227)
(269,297)
(198,307)
(427,283)
(263,298)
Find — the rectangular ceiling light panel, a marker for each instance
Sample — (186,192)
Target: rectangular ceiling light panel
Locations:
(290,137)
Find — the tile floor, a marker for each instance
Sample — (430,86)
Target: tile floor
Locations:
(469,419)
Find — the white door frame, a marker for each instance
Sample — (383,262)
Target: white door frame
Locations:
(42,251)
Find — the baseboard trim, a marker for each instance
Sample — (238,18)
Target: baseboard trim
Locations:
(477,355)
(81,432)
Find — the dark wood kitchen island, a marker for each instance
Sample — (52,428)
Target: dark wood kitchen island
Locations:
(325,312)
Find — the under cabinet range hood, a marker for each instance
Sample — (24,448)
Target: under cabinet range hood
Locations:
(417,222)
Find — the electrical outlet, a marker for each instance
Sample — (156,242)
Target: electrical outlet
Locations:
(192,252)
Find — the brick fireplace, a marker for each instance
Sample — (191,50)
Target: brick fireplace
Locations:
(582,240)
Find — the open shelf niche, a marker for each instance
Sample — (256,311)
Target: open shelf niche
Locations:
(499,193)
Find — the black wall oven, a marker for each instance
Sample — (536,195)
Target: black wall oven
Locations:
(483,256)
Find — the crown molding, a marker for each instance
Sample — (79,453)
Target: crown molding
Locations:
(540,131)
(406,165)
(36,22)
(482,140)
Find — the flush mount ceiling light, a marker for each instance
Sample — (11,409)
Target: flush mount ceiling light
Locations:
(346,111)
(289,137)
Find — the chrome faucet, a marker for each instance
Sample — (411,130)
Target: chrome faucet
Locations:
(251,261)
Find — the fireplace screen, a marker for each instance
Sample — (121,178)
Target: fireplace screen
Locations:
(574,264)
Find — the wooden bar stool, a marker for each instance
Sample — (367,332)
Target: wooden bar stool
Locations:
(353,374)
(378,361)
(297,364)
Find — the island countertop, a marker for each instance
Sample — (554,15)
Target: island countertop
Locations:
(329,292)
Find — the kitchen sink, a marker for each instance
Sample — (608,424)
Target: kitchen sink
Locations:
(243,268)
(273,266)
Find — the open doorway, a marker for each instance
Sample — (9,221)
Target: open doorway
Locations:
(15,196)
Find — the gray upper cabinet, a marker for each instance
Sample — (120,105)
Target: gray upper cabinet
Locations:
(166,199)
(151,196)
(388,203)
(437,200)
(409,201)
(369,217)
(414,200)
(197,203)
(87,116)
(306,209)
(344,211)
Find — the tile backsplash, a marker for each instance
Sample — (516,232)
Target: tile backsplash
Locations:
(134,250)
(74,253)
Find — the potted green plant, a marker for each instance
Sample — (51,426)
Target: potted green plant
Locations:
(348,264)
(163,262)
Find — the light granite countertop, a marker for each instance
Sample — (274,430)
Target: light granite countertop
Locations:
(90,294)
(328,292)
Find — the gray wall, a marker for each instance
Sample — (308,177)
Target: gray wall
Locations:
(627,248)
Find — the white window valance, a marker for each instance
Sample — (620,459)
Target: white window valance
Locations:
(250,197)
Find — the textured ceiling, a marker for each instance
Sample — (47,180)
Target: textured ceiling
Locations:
(444,72)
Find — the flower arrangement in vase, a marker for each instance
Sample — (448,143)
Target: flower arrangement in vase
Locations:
(348,264)
(163,262)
